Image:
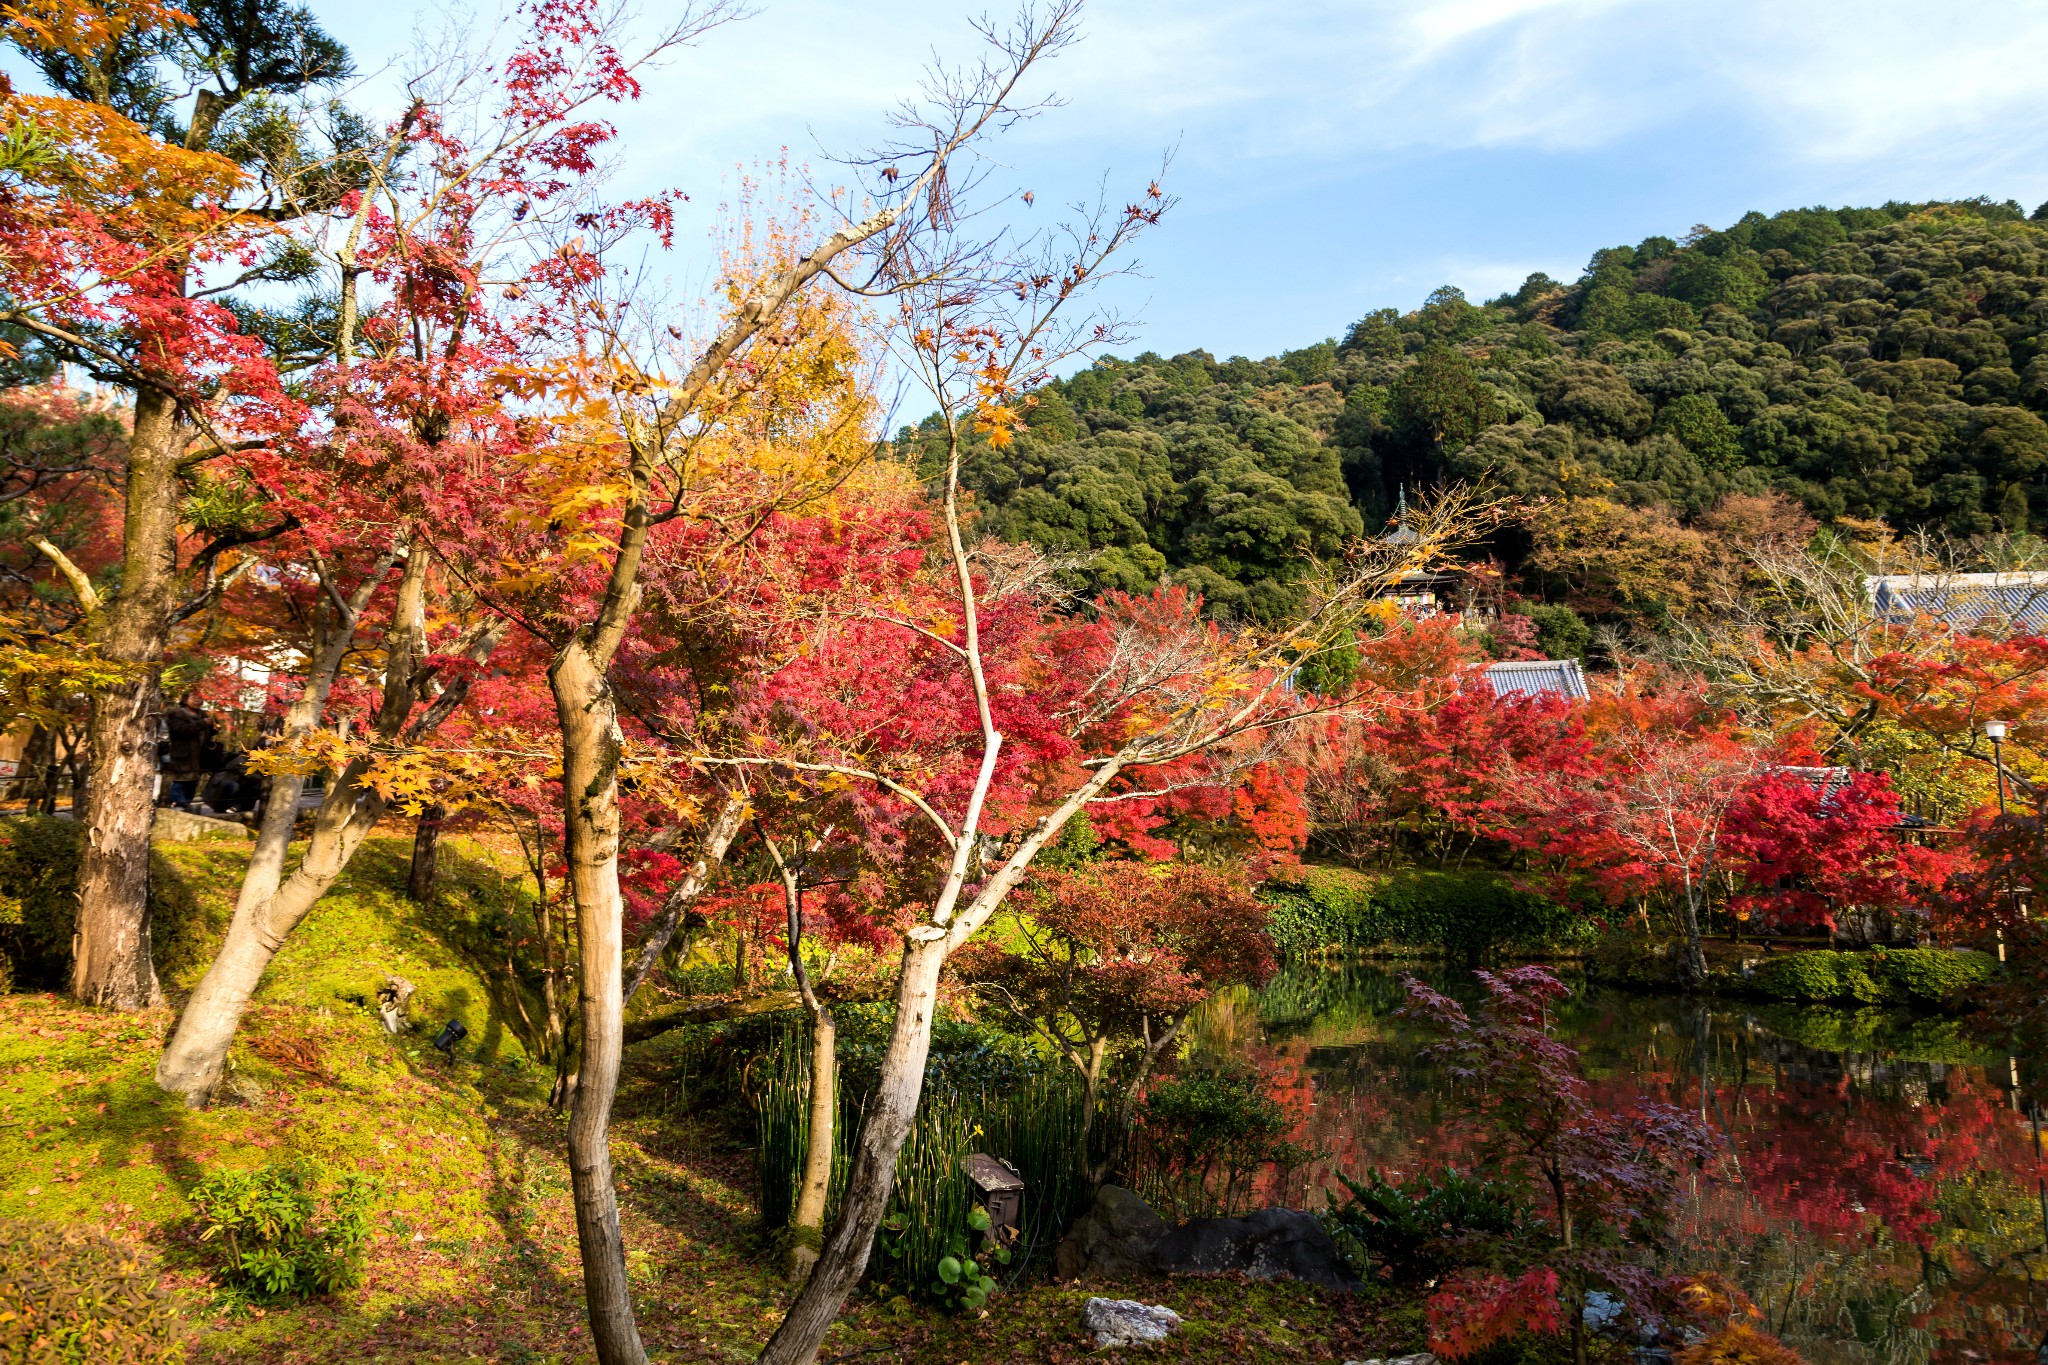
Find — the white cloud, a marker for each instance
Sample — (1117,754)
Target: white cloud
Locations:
(1823,81)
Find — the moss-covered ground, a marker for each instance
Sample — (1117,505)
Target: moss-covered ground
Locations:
(474,1254)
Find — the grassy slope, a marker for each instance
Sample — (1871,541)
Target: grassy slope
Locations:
(475,1257)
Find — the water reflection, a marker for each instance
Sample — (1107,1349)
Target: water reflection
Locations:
(1880,1200)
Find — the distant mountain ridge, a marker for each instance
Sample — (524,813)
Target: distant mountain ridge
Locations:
(1878,363)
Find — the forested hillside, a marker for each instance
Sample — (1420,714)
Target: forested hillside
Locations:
(1882,363)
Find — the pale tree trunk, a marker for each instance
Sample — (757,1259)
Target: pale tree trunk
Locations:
(1693,966)
(591,745)
(807,1222)
(887,1121)
(711,850)
(590,755)
(110,952)
(268,907)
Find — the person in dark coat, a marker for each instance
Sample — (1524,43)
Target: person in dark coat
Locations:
(187,732)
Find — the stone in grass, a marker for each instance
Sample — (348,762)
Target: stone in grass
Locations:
(1419,1358)
(1126,1322)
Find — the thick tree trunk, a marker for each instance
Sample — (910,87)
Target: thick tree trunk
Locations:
(807,1223)
(591,743)
(873,1177)
(110,958)
(426,850)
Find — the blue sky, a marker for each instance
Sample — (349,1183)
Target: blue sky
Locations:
(1334,157)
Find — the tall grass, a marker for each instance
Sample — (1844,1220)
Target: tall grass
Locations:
(1034,1126)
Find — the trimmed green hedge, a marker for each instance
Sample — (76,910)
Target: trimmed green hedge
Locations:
(1885,976)
(1469,914)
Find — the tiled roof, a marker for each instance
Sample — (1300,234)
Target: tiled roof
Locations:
(1538,678)
(1963,599)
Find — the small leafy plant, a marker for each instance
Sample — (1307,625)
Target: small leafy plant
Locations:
(1413,1232)
(964,1283)
(274,1232)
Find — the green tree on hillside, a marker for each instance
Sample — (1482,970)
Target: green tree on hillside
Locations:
(1886,363)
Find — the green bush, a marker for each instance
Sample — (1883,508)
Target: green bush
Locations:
(1561,632)
(1928,975)
(1469,915)
(1891,976)
(1202,1138)
(275,1232)
(39,881)
(39,858)
(1316,913)
(1414,1232)
(72,1296)
(1816,976)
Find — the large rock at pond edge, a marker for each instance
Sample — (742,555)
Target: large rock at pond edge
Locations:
(1126,1322)
(1121,1235)
(1272,1244)
(1115,1237)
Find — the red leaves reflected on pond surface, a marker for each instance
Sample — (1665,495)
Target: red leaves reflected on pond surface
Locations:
(1868,1202)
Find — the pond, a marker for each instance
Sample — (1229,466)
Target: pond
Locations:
(1880,1203)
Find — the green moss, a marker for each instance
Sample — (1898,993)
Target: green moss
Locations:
(457,952)
(93,1132)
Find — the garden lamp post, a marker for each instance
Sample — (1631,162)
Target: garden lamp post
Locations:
(1994,730)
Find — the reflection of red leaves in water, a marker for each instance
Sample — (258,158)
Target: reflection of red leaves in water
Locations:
(1283,1069)
(1834,1163)
(1814,1158)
